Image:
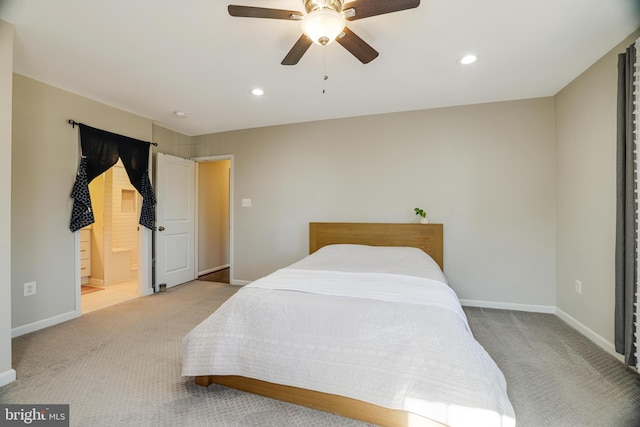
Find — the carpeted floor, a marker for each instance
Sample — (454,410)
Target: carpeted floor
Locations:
(120,366)
(555,375)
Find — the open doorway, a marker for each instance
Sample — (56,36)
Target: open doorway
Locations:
(190,240)
(144,235)
(213,188)
(109,248)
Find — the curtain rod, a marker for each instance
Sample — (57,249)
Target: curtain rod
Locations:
(73,124)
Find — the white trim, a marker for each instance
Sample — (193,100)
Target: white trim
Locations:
(575,324)
(44,323)
(7,377)
(145,287)
(96,282)
(196,219)
(145,245)
(76,244)
(239,282)
(509,306)
(76,275)
(589,333)
(229,157)
(636,130)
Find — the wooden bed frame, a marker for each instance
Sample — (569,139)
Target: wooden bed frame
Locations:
(429,238)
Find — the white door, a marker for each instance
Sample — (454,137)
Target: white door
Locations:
(175,220)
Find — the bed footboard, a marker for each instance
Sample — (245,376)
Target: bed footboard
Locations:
(326,402)
(204,380)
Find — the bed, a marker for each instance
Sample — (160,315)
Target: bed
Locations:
(365,327)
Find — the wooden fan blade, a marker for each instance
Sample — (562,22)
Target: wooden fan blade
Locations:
(367,8)
(358,47)
(262,12)
(297,50)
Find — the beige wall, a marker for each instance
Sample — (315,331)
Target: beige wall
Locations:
(586,156)
(487,172)
(44,165)
(7,374)
(171,142)
(213,215)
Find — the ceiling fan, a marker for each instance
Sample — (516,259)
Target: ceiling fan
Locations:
(324,22)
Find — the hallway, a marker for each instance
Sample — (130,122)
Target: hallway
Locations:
(220,276)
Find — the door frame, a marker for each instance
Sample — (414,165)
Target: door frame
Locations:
(231,204)
(144,266)
(145,263)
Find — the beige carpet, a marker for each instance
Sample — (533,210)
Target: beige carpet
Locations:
(555,375)
(120,366)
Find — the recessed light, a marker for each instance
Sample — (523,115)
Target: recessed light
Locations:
(257,92)
(468,59)
(180,114)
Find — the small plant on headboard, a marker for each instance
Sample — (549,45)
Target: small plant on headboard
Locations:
(423,215)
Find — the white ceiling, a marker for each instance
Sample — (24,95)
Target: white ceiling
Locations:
(153,57)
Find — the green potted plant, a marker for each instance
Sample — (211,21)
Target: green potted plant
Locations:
(424,219)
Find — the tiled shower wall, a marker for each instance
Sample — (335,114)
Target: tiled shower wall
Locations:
(120,227)
(125,214)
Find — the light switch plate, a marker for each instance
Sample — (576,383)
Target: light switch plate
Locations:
(246,203)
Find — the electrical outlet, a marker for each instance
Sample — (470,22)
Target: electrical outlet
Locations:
(29,289)
(578,287)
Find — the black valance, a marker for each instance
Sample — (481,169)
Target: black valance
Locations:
(100,151)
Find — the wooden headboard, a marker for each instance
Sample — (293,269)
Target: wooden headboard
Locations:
(428,237)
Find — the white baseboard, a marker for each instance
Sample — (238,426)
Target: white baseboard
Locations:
(577,325)
(96,282)
(589,333)
(240,282)
(213,270)
(41,324)
(509,306)
(7,377)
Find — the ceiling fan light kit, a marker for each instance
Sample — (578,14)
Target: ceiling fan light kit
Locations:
(325,21)
(311,5)
(322,26)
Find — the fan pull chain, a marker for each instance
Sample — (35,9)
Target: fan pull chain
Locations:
(324,69)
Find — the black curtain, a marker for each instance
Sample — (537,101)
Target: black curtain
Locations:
(100,151)
(627,206)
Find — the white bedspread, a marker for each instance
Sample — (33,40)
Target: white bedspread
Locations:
(376,286)
(373,259)
(394,340)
